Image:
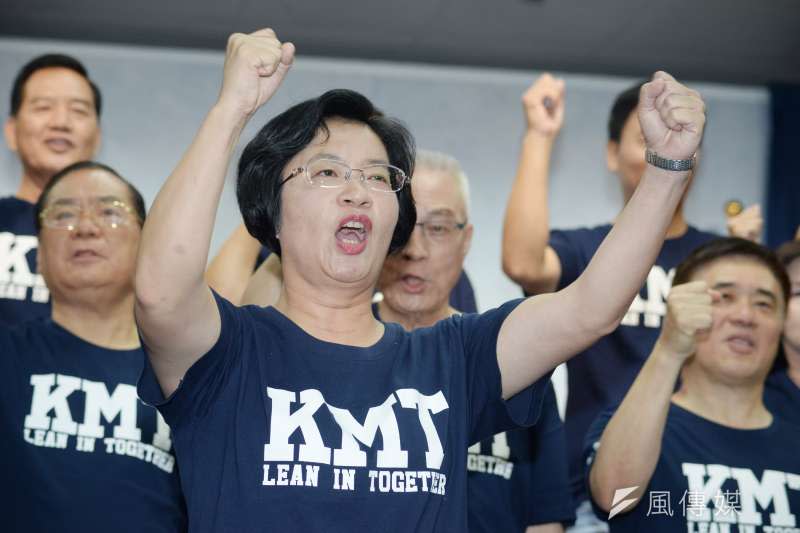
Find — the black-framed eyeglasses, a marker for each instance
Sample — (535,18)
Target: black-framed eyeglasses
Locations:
(331,174)
(440,229)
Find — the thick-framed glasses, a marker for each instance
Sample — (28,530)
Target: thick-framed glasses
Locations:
(440,229)
(107,213)
(330,174)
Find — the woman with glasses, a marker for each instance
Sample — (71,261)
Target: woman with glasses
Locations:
(82,453)
(311,415)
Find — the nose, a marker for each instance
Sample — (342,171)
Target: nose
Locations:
(60,117)
(743,314)
(86,226)
(417,247)
(355,192)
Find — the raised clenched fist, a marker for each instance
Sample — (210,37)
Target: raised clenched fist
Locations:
(255,65)
(543,103)
(672,117)
(748,224)
(688,314)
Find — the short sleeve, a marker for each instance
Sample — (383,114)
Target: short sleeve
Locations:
(591,445)
(489,413)
(550,499)
(569,248)
(205,379)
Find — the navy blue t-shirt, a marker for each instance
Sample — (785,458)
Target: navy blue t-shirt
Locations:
(79,451)
(782,397)
(713,478)
(519,478)
(23,293)
(600,376)
(278,431)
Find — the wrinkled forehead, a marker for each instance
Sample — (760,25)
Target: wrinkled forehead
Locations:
(88,185)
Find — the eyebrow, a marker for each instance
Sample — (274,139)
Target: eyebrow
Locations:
(73,201)
(443,211)
(82,101)
(325,155)
(730,285)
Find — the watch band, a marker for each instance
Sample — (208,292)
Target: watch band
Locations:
(677,165)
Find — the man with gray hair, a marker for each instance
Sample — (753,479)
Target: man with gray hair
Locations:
(517,479)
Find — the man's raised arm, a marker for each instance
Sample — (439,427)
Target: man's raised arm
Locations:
(547,330)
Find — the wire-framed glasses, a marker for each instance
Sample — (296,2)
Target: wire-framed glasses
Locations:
(65,214)
(331,173)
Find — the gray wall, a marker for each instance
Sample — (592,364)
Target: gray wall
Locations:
(156,98)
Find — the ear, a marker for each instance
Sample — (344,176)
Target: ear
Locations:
(41,259)
(467,240)
(10,132)
(98,136)
(612,156)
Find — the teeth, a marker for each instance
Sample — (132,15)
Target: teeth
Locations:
(354,225)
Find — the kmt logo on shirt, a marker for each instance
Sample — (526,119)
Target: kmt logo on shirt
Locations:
(280,468)
(61,431)
(493,461)
(15,274)
(654,307)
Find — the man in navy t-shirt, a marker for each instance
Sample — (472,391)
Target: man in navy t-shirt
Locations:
(782,391)
(79,451)
(54,122)
(709,456)
(517,478)
(542,260)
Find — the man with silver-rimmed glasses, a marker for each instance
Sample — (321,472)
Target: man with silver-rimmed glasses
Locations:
(83,453)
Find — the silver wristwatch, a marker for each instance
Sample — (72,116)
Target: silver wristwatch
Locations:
(678,165)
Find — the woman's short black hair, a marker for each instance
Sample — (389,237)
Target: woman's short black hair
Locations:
(138,202)
(733,247)
(267,154)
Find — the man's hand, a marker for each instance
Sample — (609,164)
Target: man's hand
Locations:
(255,65)
(672,117)
(748,224)
(543,104)
(688,316)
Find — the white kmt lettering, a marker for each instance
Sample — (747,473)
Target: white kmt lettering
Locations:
(381,417)
(15,275)
(754,496)
(283,423)
(13,264)
(772,488)
(44,399)
(426,405)
(52,391)
(659,283)
(98,402)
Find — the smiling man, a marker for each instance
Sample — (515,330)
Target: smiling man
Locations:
(53,123)
(709,456)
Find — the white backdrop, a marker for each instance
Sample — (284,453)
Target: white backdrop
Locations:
(156,98)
